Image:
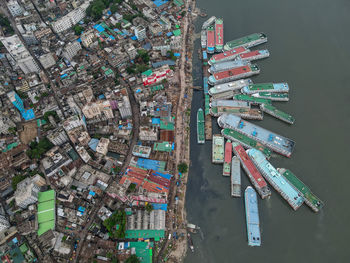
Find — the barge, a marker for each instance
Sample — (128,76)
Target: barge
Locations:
(219,34)
(254,55)
(210,40)
(235,177)
(310,199)
(252,217)
(227,55)
(228,158)
(227,90)
(239,108)
(275,142)
(246,141)
(218,149)
(200,126)
(233,74)
(265,87)
(247,41)
(204,39)
(218,67)
(252,172)
(278,182)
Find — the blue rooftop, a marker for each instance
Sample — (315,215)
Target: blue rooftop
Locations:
(164,62)
(156,121)
(149,164)
(93,144)
(28,114)
(160,206)
(169,34)
(99,28)
(158,3)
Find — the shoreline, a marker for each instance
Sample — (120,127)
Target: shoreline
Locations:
(179,248)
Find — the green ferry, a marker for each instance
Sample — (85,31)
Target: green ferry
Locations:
(273,111)
(200,126)
(310,199)
(247,41)
(272,96)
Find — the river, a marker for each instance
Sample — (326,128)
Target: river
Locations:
(309,42)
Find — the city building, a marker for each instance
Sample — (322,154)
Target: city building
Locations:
(71,49)
(26,193)
(4,223)
(18,103)
(5,124)
(140,33)
(102,146)
(15,8)
(57,137)
(47,60)
(71,18)
(87,38)
(19,55)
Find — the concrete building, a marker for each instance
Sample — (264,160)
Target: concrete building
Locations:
(148,133)
(19,55)
(71,18)
(26,193)
(124,108)
(30,39)
(130,50)
(4,223)
(15,8)
(5,124)
(72,122)
(87,38)
(102,146)
(140,33)
(47,60)
(95,109)
(57,137)
(71,49)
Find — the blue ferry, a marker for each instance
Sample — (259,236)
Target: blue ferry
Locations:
(281,185)
(252,217)
(274,141)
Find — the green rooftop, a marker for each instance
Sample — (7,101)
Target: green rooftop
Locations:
(149,233)
(147,73)
(156,88)
(177,32)
(166,124)
(163,146)
(143,251)
(10,146)
(179,3)
(46,211)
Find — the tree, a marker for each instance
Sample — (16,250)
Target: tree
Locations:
(115,224)
(114,8)
(143,54)
(131,188)
(182,167)
(78,30)
(133,259)
(149,207)
(131,69)
(16,179)
(141,68)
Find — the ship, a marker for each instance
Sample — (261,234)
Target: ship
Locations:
(233,74)
(272,96)
(275,142)
(227,55)
(200,126)
(190,242)
(265,87)
(208,22)
(219,32)
(206,104)
(247,41)
(239,108)
(228,158)
(281,115)
(309,198)
(218,67)
(228,90)
(218,149)
(246,141)
(204,38)
(252,217)
(252,172)
(253,100)
(254,55)
(205,85)
(235,177)
(210,40)
(278,182)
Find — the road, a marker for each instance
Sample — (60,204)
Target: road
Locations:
(179,127)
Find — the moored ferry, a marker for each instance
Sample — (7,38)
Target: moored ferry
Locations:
(204,39)
(254,55)
(233,74)
(200,126)
(251,40)
(252,217)
(218,149)
(226,89)
(219,34)
(218,67)
(266,87)
(228,158)
(210,40)
(272,96)
(227,55)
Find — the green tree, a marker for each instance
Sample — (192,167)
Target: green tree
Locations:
(143,54)
(182,167)
(131,69)
(115,224)
(131,188)
(114,8)
(16,179)
(12,130)
(149,207)
(78,30)
(133,259)
(141,68)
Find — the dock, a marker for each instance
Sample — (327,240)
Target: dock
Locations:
(273,111)
(208,128)
(310,199)
(235,177)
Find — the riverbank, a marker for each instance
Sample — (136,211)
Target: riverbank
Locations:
(178,250)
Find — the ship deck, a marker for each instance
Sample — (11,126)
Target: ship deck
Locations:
(245,40)
(303,189)
(248,98)
(263,52)
(218,149)
(227,65)
(229,86)
(252,217)
(232,72)
(278,113)
(270,139)
(210,37)
(232,53)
